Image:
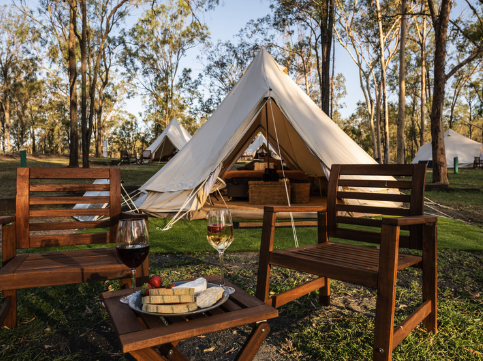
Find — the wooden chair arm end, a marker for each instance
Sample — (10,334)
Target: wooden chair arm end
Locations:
(7,219)
(409,221)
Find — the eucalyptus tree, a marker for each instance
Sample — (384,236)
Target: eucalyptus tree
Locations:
(469,28)
(15,35)
(56,21)
(318,17)
(460,82)
(99,19)
(153,51)
(359,29)
(420,36)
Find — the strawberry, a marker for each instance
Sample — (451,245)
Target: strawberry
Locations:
(155,281)
(215,228)
(171,286)
(145,289)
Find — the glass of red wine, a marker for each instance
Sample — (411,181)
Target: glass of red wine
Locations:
(132,246)
(220,236)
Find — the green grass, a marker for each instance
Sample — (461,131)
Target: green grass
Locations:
(464,196)
(70,322)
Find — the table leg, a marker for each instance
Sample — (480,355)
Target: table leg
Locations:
(254,341)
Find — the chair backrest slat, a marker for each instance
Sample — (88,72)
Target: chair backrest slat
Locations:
(69,212)
(69,187)
(373,210)
(62,173)
(374,183)
(352,194)
(69,240)
(67,200)
(47,193)
(51,226)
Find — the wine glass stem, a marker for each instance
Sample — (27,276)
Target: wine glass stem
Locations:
(133,279)
(222,279)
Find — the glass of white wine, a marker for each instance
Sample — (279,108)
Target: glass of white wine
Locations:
(220,236)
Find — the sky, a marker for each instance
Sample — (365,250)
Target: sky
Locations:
(226,21)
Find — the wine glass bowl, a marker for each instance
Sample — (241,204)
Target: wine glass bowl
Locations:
(132,246)
(220,236)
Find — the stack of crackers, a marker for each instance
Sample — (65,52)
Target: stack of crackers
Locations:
(180,300)
(174,300)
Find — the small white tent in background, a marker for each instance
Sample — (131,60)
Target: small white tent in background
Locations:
(171,140)
(456,145)
(264,97)
(259,142)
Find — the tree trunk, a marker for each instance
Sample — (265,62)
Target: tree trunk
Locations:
(6,115)
(74,135)
(423,83)
(384,83)
(402,89)
(83,47)
(440,171)
(326,27)
(378,125)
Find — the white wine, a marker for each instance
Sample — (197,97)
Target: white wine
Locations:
(220,237)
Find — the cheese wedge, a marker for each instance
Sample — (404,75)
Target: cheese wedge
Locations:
(168,299)
(171,308)
(199,285)
(171,291)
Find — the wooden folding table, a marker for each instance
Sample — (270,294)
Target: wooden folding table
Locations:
(149,337)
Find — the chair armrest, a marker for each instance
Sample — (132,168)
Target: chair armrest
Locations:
(409,221)
(7,219)
(130,215)
(294,209)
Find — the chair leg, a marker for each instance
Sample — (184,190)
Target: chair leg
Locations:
(386,294)
(430,276)
(8,311)
(324,293)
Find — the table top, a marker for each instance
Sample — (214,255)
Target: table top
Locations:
(240,309)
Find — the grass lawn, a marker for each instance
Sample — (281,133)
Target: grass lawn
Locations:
(70,322)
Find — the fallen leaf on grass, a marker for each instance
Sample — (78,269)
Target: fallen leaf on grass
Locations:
(230,351)
(472,351)
(209,349)
(27,322)
(47,346)
(88,310)
(47,329)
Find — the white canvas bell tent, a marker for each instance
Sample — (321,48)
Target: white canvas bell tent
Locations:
(264,96)
(259,142)
(456,145)
(171,140)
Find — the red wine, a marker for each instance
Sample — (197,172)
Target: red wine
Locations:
(133,256)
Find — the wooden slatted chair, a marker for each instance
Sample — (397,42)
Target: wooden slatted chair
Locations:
(146,154)
(358,264)
(41,187)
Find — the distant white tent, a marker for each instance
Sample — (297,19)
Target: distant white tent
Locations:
(264,97)
(171,140)
(258,143)
(456,145)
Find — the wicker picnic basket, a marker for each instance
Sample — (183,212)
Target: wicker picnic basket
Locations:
(300,193)
(260,192)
